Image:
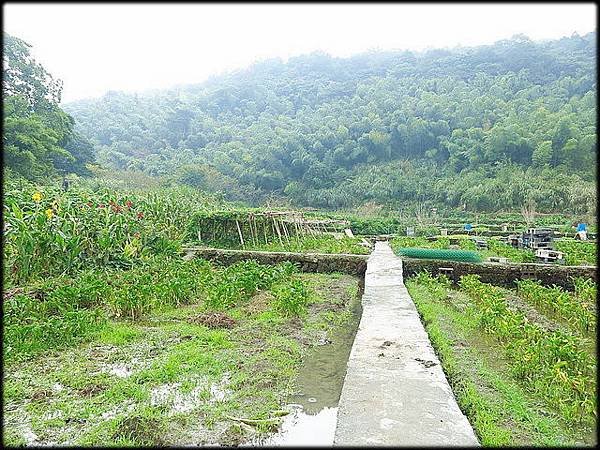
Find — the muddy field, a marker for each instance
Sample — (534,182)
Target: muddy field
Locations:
(190,376)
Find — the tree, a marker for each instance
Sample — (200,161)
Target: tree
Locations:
(29,146)
(26,78)
(335,131)
(542,155)
(528,211)
(38,136)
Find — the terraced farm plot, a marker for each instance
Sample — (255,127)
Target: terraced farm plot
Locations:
(576,252)
(186,375)
(522,377)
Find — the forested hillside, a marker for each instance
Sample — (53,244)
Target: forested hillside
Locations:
(486,128)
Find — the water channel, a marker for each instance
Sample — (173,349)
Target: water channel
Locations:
(314,404)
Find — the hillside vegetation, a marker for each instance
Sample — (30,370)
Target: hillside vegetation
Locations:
(483,128)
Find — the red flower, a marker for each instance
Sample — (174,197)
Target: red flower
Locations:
(116,208)
(128,204)
(101,205)
(89,204)
(140,215)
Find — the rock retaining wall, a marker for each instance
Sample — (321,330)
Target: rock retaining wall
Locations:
(307,262)
(502,274)
(495,273)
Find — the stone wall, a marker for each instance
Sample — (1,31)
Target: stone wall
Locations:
(495,273)
(307,262)
(502,274)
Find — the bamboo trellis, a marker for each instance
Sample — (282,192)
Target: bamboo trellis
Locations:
(243,227)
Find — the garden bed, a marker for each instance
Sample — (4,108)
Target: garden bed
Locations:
(522,377)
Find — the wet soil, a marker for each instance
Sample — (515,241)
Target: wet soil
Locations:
(313,404)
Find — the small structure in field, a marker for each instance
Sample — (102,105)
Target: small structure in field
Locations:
(244,226)
(533,238)
(549,256)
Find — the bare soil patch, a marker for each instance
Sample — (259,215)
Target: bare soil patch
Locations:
(213,320)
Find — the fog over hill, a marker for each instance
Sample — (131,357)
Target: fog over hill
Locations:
(485,127)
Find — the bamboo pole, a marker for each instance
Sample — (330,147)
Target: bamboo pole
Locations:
(240,233)
(285,232)
(278,231)
(264,227)
(250,220)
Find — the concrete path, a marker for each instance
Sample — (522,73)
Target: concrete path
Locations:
(395,392)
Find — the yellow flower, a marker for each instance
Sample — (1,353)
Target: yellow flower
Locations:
(49,213)
(36,197)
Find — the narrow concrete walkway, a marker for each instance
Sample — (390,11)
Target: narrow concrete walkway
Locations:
(395,392)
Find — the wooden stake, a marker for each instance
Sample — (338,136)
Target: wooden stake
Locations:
(240,233)
(278,232)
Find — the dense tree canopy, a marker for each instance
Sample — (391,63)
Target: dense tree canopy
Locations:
(38,137)
(485,127)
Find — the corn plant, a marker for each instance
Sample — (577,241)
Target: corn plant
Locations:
(554,363)
(49,232)
(566,307)
(291,297)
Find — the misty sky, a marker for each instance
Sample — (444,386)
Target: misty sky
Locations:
(94,48)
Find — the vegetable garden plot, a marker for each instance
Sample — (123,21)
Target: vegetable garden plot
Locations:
(550,367)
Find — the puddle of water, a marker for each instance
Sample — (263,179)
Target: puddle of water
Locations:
(300,428)
(170,394)
(121,371)
(314,405)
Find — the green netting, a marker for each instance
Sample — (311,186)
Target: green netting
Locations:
(441,253)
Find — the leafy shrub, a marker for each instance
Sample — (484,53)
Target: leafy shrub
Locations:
(577,252)
(240,281)
(291,297)
(499,248)
(52,315)
(62,311)
(574,309)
